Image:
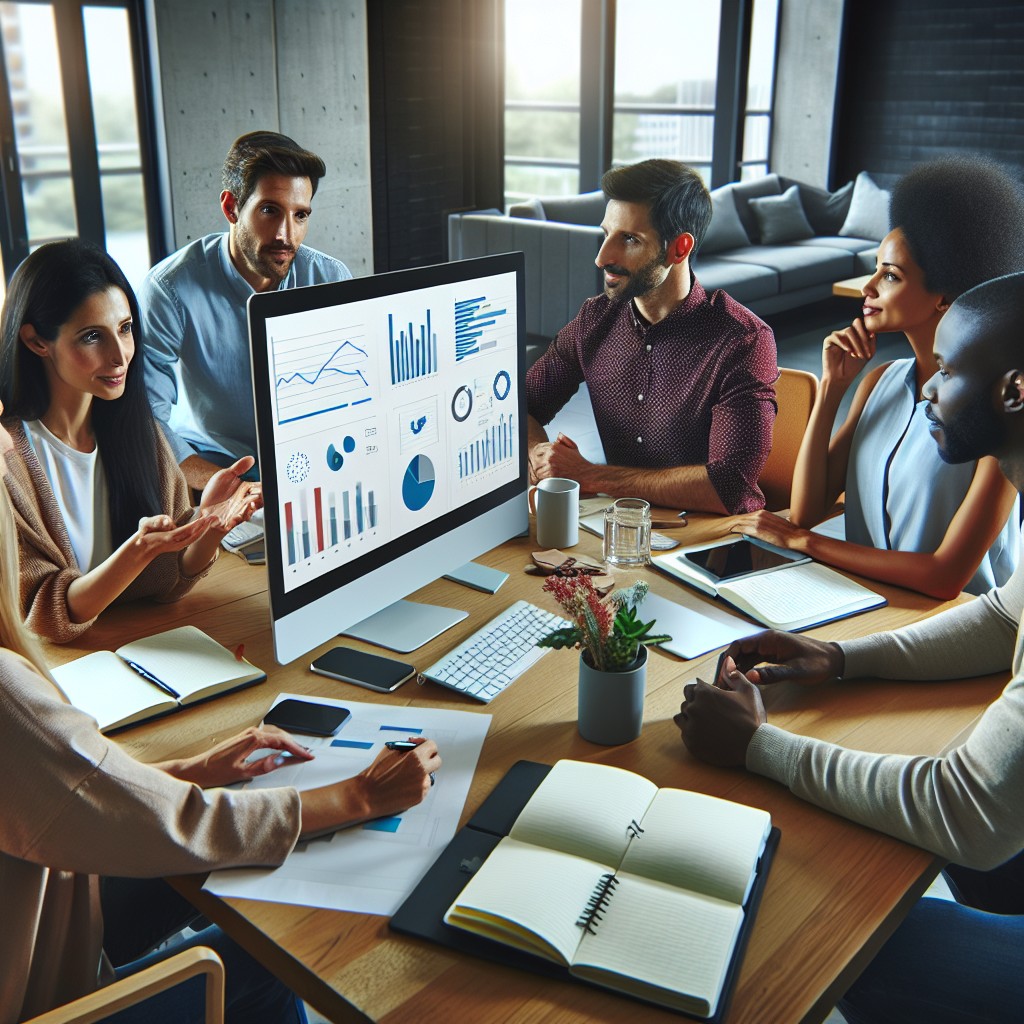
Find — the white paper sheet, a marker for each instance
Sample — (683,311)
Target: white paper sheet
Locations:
(369,868)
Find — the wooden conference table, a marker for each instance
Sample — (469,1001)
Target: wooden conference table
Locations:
(835,892)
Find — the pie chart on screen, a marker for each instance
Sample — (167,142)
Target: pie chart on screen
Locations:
(418,485)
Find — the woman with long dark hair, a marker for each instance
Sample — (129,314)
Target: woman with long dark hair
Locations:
(77,805)
(103,512)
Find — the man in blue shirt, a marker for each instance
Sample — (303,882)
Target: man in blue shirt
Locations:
(194,302)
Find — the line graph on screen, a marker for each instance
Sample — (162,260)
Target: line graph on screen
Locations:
(319,374)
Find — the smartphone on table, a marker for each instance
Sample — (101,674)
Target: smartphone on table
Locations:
(372,671)
(307,716)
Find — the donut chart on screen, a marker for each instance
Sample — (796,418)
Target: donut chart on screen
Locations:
(418,483)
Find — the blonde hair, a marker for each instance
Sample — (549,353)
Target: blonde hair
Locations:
(13,633)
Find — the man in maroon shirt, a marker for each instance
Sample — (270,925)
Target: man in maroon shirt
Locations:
(681,382)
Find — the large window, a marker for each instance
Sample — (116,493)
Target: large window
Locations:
(591,83)
(665,81)
(70,128)
(760,89)
(542,98)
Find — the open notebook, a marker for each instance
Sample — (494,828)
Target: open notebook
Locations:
(623,885)
(153,676)
(792,596)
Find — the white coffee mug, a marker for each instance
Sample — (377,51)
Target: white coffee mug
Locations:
(557,507)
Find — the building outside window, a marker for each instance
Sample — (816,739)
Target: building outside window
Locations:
(664,64)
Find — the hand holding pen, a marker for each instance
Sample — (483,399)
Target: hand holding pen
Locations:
(404,746)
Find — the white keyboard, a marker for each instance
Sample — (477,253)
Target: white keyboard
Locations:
(498,653)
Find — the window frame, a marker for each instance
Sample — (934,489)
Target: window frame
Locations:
(83,155)
(597,107)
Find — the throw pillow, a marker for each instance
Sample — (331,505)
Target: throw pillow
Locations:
(825,210)
(767,185)
(725,230)
(869,211)
(587,208)
(529,209)
(781,218)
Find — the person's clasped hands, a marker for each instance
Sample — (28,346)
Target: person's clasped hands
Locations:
(717,721)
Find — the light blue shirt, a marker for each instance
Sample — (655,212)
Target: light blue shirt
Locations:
(196,335)
(900,495)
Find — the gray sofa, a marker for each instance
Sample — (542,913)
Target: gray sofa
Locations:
(774,243)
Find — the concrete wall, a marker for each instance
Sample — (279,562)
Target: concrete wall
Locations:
(810,33)
(226,67)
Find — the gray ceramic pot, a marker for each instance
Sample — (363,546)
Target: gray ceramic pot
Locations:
(611,704)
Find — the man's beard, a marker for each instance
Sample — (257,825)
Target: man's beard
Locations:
(972,434)
(258,258)
(638,282)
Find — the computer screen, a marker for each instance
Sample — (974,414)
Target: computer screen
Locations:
(391,425)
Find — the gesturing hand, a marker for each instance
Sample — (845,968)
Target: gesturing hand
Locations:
(228,499)
(717,722)
(157,535)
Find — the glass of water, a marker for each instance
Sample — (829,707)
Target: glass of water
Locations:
(627,532)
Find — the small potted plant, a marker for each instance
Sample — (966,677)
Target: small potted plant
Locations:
(613,643)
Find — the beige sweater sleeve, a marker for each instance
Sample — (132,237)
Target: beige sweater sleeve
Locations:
(968,805)
(47,561)
(85,806)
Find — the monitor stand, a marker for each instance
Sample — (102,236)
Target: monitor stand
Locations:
(405,625)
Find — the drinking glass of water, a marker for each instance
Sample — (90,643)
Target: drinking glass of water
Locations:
(627,532)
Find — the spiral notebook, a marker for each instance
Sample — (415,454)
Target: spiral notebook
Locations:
(605,879)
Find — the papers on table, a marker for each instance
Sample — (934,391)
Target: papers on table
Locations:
(695,626)
(369,868)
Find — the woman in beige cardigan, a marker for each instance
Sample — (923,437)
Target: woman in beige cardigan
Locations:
(102,510)
(76,805)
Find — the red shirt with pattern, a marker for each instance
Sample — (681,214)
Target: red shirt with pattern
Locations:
(697,388)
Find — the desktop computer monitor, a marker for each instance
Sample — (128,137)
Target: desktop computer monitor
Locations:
(391,424)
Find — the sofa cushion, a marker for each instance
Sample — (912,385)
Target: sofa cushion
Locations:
(798,266)
(781,218)
(745,282)
(528,209)
(838,242)
(825,210)
(725,230)
(587,208)
(769,185)
(869,210)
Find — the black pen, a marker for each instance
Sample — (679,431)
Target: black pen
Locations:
(149,677)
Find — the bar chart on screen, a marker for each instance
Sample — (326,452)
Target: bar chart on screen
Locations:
(491,447)
(321,519)
(482,325)
(413,349)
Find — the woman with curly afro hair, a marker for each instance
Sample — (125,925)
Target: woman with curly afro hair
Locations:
(911,518)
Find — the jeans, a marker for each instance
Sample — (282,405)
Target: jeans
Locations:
(948,963)
(140,913)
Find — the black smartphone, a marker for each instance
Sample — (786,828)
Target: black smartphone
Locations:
(373,671)
(308,717)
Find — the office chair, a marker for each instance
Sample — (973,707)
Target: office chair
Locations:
(794,391)
(139,987)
